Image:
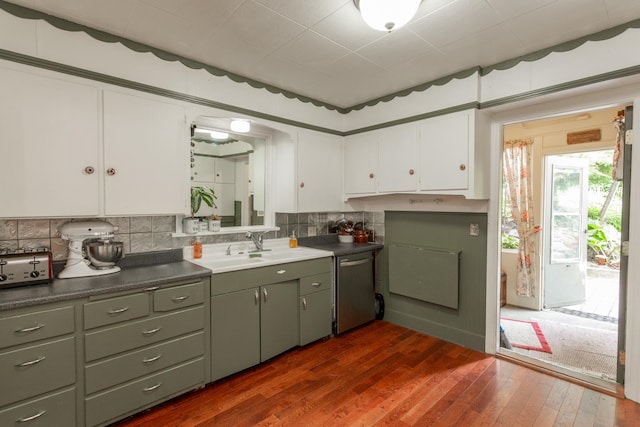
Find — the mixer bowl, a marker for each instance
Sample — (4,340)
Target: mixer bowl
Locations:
(102,253)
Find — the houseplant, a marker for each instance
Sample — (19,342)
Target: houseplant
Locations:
(199,194)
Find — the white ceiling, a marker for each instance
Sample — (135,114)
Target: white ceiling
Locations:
(323,50)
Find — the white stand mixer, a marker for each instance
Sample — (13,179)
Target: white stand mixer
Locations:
(77,263)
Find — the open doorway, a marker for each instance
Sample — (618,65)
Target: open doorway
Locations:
(559,310)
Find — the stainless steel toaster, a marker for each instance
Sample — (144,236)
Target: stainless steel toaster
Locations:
(25,267)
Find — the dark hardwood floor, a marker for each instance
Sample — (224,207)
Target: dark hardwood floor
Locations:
(383,374)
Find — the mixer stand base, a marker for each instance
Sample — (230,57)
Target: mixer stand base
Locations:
(81,269)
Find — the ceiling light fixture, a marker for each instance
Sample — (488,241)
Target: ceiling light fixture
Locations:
(387,15)
(241,126)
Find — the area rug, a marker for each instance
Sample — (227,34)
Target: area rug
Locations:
(525,334)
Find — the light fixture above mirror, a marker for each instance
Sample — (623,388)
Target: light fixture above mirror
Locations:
(241,126)
(387,15)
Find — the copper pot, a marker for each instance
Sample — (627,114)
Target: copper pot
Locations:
(360,236)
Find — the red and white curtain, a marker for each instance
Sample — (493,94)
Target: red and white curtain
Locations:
(517,163)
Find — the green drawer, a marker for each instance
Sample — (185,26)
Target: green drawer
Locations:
(315,283)
(57,409)
(136,334)
(36,369)
(34,326)
(178,297)
(115,310)
(232,281)
(107,407)
(110,372)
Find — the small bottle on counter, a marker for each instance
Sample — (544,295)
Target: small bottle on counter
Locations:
(293,240)
(197,248)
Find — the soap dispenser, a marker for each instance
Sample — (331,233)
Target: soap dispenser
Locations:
(197,248)
(293,240)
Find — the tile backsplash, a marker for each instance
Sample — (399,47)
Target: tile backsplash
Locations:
(154,233)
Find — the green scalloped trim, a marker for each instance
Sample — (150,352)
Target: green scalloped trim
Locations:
(562,47)
(63,24)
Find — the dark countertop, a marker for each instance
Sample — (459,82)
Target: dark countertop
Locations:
(329,242)
(138,271)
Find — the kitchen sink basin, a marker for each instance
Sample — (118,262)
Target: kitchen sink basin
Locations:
(215,258)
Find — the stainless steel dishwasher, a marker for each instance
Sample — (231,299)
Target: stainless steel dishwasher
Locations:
(355,294)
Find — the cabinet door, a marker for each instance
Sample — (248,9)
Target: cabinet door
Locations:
(319,172)
(203,170)
(278,318)
(398,165)
(48,137)
(315,316)
(360,164)
(444,152)
(146,148)
(235,332)
(225,171)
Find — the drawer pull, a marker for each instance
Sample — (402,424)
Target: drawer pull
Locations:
(151,359)
(118,310)
(32,417)
(31,362)
(281,271)
(152,288)
(180,299)
(151,331)
(30,329)
(151,388)
(304,303)
(316,284)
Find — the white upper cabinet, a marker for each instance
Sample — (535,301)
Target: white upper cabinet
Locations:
(444,152)
(225,171)
(49,163)
(453,150)
(398,163)
(361,164)
(319,172)
(146,144)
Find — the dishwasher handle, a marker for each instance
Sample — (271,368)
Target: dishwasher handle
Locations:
(347,263)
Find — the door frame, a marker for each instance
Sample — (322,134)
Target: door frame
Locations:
(567,102)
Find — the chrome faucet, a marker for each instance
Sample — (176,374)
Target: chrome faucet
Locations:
(256,238)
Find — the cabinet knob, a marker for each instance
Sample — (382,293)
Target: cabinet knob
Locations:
(89,170)
(302,185)
(411,171)
(463,167)
(371,175)
(111,171)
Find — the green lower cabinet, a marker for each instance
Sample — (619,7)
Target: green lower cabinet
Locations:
(235,332)
(315,316)
(278,318)
(55,409)
(252,325)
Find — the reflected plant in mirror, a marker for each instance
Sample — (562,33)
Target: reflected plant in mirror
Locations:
(234,166)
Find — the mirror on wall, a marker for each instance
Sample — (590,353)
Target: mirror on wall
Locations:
(233,165)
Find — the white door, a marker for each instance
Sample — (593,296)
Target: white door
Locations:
(565,220)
